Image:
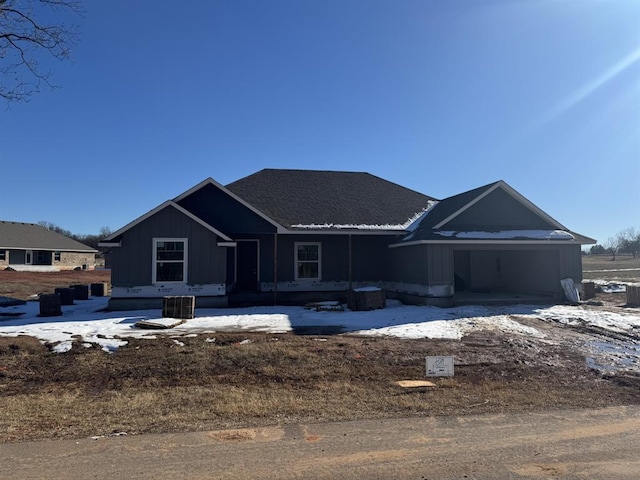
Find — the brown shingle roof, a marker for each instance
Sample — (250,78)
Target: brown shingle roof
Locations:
(29,236)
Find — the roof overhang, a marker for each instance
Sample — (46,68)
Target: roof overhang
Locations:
(47,249)
(489,242)
(344,232)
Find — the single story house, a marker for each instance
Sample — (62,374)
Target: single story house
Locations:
(28,246)
(292,236)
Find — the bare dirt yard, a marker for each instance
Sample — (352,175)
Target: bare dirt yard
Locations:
(229,380)
(23,285)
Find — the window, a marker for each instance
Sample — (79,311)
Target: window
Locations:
(3,255)
(307,261)
(56,256)
(169,260)
(39,258)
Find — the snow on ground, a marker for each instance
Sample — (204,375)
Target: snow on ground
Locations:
(87,321)
(617,322)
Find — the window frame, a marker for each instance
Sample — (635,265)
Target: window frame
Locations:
(3,255)
(154,261)
(57,257)
(297,261)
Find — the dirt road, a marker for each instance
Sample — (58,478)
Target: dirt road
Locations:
(580,444)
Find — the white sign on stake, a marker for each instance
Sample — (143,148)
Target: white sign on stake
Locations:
(439,366)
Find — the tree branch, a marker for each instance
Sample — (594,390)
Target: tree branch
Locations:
(24,38)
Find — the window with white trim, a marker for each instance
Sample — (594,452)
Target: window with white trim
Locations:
(307,261)
(56,256)
(3,255)
(169,260)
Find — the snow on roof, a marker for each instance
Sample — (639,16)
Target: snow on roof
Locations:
(511,234)
(410,224)
(417,219)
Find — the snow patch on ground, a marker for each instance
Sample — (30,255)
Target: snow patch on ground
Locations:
(86,321)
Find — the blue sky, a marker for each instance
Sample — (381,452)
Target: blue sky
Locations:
(438,96)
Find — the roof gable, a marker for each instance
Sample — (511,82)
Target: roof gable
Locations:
(204,199)
(492,212)
(499,203)
(321,200)
(217,205)
(30,236)
(168,204)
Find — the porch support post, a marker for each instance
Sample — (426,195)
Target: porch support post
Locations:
(350,266)
(275,268)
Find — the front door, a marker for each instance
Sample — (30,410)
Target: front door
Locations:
(28,258)
(247,266)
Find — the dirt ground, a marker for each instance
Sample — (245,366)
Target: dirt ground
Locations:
(24,285)
(233,380)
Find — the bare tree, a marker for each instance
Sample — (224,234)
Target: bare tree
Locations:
(629,241)
(612,244)
(29,28)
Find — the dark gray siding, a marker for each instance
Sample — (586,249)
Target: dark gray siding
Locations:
(408,264)
(439,264)
(497,211)
(510,268)
(230,217)
(132,262)
(368,257)
(571,262)
(517,268)
(334,257)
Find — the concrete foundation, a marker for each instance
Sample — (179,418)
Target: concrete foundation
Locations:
(118,304)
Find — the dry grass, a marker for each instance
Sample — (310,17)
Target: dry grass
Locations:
(158,386)
(623,268)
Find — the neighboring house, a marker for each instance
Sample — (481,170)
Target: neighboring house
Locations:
(27,246)
(291,236)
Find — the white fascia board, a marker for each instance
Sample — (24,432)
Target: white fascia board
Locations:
(168,203)
(344,232)
(109,244)
(211,181)
(485,242)
(227,244)
(511,191)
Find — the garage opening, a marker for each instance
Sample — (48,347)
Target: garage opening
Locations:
(505,275)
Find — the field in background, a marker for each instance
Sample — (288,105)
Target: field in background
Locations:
(23,285)
(624,268)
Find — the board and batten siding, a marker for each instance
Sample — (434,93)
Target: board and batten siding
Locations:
(368,254)
(218,208)
(408,264)
(571,262)
(132,261)
(498,211)
(439,264)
